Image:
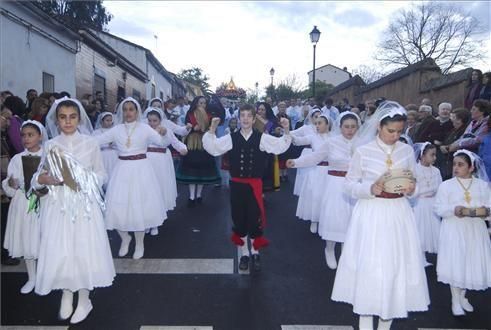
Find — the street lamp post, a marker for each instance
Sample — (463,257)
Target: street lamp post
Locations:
(271,72)
(314,38)
(257,85)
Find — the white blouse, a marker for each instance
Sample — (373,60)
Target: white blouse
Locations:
(270,144)
(306,129)
(428,178)
(176,129)
(15,170)
(337,151)
(140,136)
(369,164)
(451,194)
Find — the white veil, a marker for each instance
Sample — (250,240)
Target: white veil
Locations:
(104,114)
(42,129)
(119,111)
(84,125)
(155,99)
(150,110)
(336,127)
(480,169)
(368,131)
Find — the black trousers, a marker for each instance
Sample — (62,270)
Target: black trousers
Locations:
(245,211)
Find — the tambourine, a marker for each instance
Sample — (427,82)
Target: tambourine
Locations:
(396,181)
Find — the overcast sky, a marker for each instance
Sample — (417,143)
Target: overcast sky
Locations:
(246,39)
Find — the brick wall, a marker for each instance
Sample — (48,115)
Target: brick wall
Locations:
(89,62)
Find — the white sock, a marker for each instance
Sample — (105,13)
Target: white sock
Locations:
(384,324)
(139,247)
(83,296)
(125,243)
(366,322)
(253,250)
(244,249)
(199,190)
(31,269)
(192,190)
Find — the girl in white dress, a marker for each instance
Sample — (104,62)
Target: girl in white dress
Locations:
(381,270)
(134,200)
(105,122)
(308,207)
(74,253)
(22,232)
(336,204)
(429,179)
(464,251)
(162,163)
(307,129)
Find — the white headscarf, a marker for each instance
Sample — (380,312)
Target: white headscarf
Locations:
(480,169)
(419,149)
(119,112)
(156,99)
(149,111)
(44,134)
(98,123)
(336,129)
(84,125)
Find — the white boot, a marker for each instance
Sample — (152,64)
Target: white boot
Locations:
(31,276)
(384,324)
(330,256)
(125,243)
(366,322)
(84,306)
(466,305)
(313,227)
(139,249)
(456,296)
(154,231)
(66,307)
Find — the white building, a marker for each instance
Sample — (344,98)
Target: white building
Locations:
(159,82)
(330,74)
(29,41)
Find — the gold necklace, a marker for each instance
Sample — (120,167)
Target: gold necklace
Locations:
(388,161)
(467,194)
(129,134)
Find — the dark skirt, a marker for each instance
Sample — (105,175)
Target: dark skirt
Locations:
(198,167)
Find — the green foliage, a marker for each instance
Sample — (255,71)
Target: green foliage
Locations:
(321,91)
(78,14)
(195,76)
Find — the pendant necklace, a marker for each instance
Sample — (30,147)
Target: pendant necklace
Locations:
(467,194)
(388,161)
(129,133)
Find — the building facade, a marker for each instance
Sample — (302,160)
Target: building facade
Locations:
(329,74)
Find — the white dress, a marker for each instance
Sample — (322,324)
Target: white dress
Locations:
(74,252)
(134,200)
(163,167)
(311,191)
(381,270)
(302,172)
(464,252)
(23,229)
(109,152)
(336,205)
(427,221)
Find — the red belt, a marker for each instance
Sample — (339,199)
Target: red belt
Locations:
(323,164)
(133,157)
(337,173)
(154,149)
(389,195)
(257,189)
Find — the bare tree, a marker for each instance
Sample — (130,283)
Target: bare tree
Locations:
(441,31)
(369,74)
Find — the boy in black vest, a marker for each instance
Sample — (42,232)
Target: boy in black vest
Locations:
(247,150)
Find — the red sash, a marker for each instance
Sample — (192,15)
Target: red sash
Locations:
(257,189)
(387,195)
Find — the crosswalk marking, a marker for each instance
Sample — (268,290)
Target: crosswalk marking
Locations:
(159,266)
(316,327)
(446,329)
(163,327)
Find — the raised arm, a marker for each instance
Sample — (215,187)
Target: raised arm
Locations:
(213,145)
(277,145)
(313,158)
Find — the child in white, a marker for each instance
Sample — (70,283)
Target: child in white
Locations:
(162,163)
(308,207)
(74,253)
(134,200)
(429,179)
(22,233)
(105,122)
(464,251)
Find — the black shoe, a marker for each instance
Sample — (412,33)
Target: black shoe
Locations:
(256,263)
(191,202)
(199,200)
(10,261)
(244,263)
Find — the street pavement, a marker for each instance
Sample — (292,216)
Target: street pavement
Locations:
(189,279)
